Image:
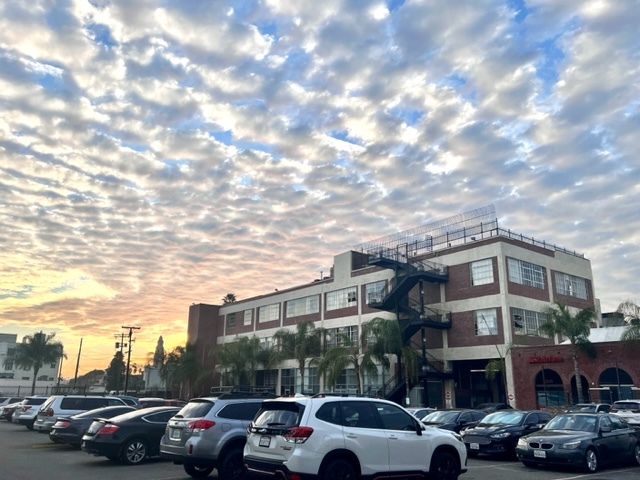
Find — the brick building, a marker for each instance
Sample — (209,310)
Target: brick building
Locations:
(463,290)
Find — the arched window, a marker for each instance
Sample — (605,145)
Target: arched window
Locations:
(549,388)
(619,383)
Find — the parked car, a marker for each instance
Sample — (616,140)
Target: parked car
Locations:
(26,413)
(70,430)
(420,412)
(7,400)
(454,419)
(589,408)
(210,432)
(67,405)
(629,410)
(7,409)
(499,432)
(129,400)
(493,407)
(586,440)
(160,402)
(131,437)
(332,437)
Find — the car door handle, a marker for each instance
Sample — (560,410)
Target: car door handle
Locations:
(392,437)
(351,435)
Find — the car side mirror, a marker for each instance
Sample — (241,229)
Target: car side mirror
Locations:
(605,428)
(419,428)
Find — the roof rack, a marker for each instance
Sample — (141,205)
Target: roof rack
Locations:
(243,391)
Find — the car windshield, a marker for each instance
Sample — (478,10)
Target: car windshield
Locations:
(441,417)
(579,423)
(509,418)
(582,408)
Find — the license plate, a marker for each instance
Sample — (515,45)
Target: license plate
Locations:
(474,446)
(175,433)
(264,441)
(540,454)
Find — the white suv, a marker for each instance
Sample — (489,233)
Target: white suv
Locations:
(627,409)
(329,437)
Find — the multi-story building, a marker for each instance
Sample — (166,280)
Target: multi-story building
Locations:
(463,290)
(17,380)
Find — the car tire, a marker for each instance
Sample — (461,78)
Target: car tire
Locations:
(232,465)
(528,464)
(338,469)
(636,453)
(197,471)
(134,452)
(444,466)
(29,425)
(591,460)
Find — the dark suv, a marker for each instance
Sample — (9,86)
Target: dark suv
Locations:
(210,432)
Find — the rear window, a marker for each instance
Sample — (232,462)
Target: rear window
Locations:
(240,411)
(626,406)
(34,401)
(195,409)
(279,414)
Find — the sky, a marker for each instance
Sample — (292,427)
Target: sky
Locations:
(155,154)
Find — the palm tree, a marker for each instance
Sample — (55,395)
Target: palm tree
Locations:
(337,359)
(34,352)
(576,329)
(229,298)
(240,359)
(302,344)
(182,368)
(383,338)
(630,312)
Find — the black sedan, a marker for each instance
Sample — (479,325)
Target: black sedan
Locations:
(499,432)
(454,420)
(586,440)
(132,437)
(70,429)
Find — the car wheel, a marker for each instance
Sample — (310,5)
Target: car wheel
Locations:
(636,453)
(197,471)
(134,452)
(29,425)
(338,470)
(232,465)
(591,460)
(444,466)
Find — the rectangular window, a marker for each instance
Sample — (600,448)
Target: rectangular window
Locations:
(486,322)
(8,365)
(337,336)
(269,313)
(482,272)
(303,306)
(347,382)
(527,322)
(343,298)
(231,320)
(571,286)
(374,292)
(247,318)
(312,382)
(288,381)
(526,273)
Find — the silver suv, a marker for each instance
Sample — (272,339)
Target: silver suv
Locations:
(329,437)
(210,432)
(27,412)
(67,405)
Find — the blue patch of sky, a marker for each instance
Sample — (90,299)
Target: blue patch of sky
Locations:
(547,67)
(107,178)
(172,167)
(520,8)
(21,293)
(250,102)
(262,147)
(246,180)
(268,28)
(454,81)
(225,136)
(62,288)
(101,34)
(138,147)
(344,136)
(393,5)
(410,116)
(49,79)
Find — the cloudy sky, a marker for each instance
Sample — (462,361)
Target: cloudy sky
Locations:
(154,154)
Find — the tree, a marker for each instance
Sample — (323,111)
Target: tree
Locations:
(302,344)
(229,298)
(115,372)
(576,329)
(241,359)
(182,369)
(630,312)
(34,352)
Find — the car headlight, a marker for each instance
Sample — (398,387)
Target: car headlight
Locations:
(458,437)
(570,445)
(522,443)
(501,435)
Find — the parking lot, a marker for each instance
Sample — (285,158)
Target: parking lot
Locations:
(28,455)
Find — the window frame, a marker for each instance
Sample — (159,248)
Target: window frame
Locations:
(481,272)
(484,324)
(526,273)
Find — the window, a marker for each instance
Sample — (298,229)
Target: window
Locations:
(312,382)
(571,286)
(337,336)
(482,272)
(269,313)
(343,298)
(247,318)
(394,418)
(486,322)
(374,292)
(526,273)
(53,365)
(528,322)
(231,320)
(359,415)
(240,411)
(8,365)
(303,306)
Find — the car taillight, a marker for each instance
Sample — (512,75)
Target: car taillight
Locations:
(201,425)
(108,430)
(26,407)
(62,423)
(49,412)
(613,410)
(297,434)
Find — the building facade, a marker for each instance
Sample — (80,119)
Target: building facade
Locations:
(464,291)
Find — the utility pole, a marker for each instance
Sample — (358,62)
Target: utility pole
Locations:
(126,378)
(121,346)
(75,379)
